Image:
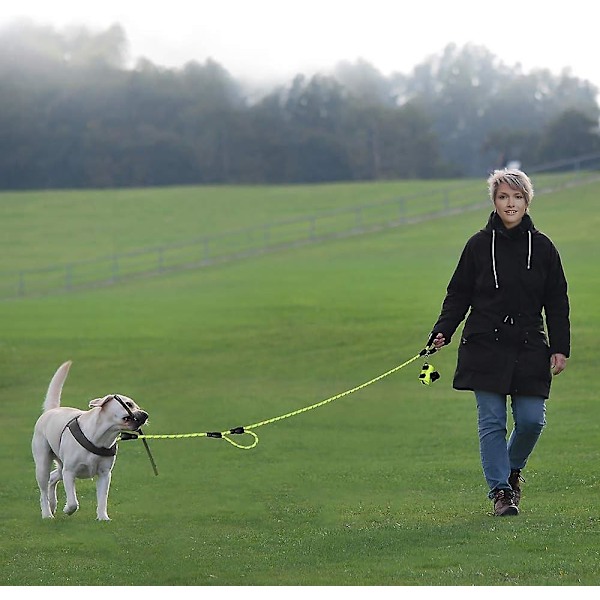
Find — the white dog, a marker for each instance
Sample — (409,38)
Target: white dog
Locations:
(82,443)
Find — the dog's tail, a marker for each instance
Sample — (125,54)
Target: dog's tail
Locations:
(55,388)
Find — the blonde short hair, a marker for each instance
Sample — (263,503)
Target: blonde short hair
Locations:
(516,179)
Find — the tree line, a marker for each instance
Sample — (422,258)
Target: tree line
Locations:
(73,114)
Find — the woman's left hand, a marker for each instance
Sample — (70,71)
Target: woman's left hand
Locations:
(558,363)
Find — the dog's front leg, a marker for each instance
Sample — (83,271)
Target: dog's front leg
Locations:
(102,487)
(69,482)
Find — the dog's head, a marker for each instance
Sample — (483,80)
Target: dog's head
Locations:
(122,411)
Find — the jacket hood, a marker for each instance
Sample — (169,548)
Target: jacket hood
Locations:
(495,227)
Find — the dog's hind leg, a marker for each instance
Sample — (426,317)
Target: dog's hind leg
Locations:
(55,477)
(43,463)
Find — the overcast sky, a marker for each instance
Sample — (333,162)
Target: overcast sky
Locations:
(272,40)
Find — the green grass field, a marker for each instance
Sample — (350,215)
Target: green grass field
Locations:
(382,487)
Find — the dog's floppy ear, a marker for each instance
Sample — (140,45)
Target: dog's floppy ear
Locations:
(100,401)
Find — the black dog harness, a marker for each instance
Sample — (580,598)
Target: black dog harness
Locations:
(75,429)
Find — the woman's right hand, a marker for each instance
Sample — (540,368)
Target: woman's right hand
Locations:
(438,340)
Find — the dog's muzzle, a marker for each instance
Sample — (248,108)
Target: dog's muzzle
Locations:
(134,418)
(137,418)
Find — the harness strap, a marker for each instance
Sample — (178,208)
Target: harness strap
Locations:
(75,429)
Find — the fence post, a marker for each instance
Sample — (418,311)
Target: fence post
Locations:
(401,206)
(358,221)
(115,267)
(160,260)
(68,277)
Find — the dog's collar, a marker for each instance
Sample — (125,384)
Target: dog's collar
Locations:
(75,429)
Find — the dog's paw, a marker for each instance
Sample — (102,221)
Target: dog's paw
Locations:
(104,517)
(69,510)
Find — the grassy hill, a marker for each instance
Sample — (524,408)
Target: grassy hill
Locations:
(381,487)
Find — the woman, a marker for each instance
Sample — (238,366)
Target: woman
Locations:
(508,274)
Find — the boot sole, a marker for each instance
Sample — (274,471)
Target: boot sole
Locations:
(513,511)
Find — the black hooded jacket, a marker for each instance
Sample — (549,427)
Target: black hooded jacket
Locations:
(506,278)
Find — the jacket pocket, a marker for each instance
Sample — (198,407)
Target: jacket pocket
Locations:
(535,356)
(478,352)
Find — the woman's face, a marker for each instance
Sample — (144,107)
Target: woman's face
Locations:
(510,205)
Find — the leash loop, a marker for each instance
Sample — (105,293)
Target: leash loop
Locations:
(242,446)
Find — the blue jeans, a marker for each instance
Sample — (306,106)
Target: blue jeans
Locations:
(498,456)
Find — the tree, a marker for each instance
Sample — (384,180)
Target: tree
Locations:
(72,114)
(572,133)
(472,97)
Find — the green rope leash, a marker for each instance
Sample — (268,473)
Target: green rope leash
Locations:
(248,428)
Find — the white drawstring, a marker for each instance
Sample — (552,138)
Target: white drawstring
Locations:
(494,257)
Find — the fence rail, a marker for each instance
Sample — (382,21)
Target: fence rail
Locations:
(234,245)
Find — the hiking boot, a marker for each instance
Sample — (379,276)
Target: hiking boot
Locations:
(514,481)
(504,505)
